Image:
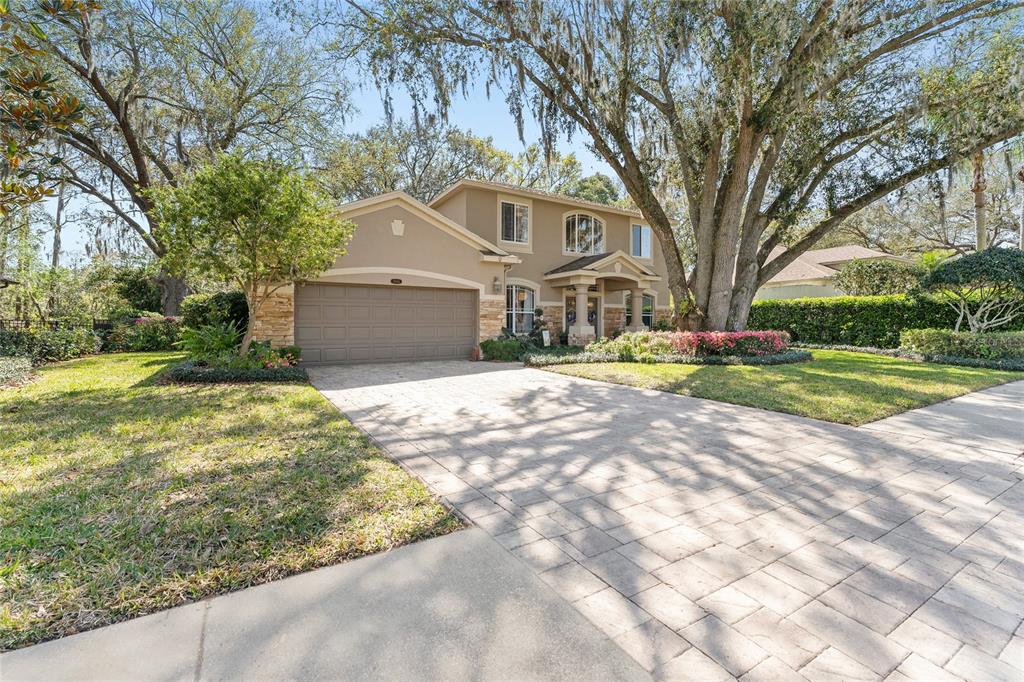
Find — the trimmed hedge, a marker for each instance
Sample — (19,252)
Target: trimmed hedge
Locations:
(856,320)
(49,345)
(14,370)
(784,358)
(988,346)
(191,372)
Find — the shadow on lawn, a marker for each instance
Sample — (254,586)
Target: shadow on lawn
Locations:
(124,501)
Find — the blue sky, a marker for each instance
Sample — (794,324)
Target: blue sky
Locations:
(485,117)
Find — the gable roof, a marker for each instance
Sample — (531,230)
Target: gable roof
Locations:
(508,188)
(594,263)
(823,263)
(416,207)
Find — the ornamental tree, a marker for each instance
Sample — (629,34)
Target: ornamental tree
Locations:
(255,225)
(985,287)
(775,121)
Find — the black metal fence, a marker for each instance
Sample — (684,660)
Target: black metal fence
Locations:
(53,325)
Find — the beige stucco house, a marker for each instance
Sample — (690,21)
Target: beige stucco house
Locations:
(431,282)
(810,275)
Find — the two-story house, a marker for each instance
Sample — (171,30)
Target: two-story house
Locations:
(431,282)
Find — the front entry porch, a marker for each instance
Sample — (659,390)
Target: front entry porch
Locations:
(586,283)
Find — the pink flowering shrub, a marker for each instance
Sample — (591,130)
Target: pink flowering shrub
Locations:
(632,345)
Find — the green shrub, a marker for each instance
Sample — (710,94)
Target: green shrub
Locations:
(209,340)
(191,372)
(985,287)
(198,310)
(49,345)
(990,346)
(854,320)
(14,370)
(878,277)
(144,334)
(507,350)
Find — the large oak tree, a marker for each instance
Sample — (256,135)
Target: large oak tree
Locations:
(762,115)
(169,84)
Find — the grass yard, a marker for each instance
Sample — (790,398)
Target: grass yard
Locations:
(847,388)
(120,496)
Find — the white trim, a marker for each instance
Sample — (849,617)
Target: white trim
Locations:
(466,283)
(620,254)
(442,222)
(535,194)
(524,311)
(593,217)
(520,247)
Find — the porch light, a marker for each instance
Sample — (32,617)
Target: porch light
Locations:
(496,286)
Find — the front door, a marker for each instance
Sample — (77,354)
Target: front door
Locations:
(593,312)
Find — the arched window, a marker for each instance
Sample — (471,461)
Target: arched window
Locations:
(584,234)
(520,303)
(648,314)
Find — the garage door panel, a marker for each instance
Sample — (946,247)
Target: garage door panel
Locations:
(356,323)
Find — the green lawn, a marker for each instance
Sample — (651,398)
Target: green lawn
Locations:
(120,496)
(848,388)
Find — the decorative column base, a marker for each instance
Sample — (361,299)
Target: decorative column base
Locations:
(581,335)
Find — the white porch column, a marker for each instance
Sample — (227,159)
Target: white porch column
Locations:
(581,333)
(636,310)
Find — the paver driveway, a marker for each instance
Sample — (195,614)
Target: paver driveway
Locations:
(715,541)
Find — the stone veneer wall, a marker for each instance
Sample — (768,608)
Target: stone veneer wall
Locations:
(492,319)
(614,320)
(554,315)
(275,321)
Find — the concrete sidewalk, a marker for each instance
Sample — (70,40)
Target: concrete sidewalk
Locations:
(992,419)
(455,608)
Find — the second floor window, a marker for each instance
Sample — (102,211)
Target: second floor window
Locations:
(515,222)
(641,242)
(584,234)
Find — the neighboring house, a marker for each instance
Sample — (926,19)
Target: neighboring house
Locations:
(431,282)
(810,275)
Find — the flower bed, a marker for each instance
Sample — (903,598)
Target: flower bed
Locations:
(634,345)
(785,357)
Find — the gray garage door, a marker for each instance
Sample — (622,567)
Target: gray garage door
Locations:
(354,323)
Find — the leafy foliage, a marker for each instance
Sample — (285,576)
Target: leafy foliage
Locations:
(255,225)
(986,288)
(209,341)
(648,345)
(878,277)
(993,345)
(198,310)
(762,115)
(34,104)
(597,187)
(192,372)
(14,370)
(143,334)
(504,350)
(46,345)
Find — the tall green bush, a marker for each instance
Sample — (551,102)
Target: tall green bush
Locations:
(49,345)
(143,334)
(855,320)
(225,307)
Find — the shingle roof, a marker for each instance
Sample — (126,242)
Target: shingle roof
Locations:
(817,264)
(578,264)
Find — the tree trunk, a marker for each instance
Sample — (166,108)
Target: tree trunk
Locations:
(1020,176)
(172,290)
(58,226)
(978,187)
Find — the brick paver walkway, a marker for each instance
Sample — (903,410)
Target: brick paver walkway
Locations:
(713,541)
